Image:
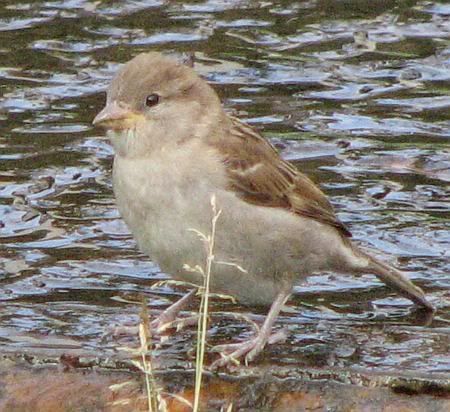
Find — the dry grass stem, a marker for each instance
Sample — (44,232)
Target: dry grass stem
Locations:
(235,265)
(172,282)
(155,402)
(203,311)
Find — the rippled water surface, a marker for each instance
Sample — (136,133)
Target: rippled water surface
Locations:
(356,93)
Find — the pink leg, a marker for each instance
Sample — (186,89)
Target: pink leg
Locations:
(169,316)
(251,348)
(167,319)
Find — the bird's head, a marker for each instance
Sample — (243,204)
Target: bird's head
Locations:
(155,101)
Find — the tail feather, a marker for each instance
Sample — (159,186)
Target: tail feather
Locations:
(397,281)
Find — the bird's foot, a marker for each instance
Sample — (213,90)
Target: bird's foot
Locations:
(232,353)
(250,349)
(169,318)
(159,326)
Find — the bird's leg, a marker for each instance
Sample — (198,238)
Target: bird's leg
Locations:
(251,348)
(168,317)
(165,320)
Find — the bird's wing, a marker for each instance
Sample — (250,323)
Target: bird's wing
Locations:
(258,175)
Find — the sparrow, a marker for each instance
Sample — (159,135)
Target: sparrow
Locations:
(175,148)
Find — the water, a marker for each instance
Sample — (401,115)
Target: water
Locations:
(355,93)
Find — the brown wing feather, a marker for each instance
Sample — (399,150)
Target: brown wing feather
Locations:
(259,176)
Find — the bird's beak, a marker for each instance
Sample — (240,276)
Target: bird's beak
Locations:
(116,116)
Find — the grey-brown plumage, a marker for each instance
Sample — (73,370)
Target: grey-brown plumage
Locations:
(175,148)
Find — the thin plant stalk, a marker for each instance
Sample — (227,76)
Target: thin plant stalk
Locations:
(145,340)
(150,398)
(203,311)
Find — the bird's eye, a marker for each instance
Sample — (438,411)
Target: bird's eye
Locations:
(152,100)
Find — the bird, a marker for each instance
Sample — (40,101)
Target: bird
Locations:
(176,148)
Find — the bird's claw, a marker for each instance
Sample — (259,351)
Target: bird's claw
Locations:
(248,350)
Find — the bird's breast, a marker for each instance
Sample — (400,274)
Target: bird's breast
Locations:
(164,196)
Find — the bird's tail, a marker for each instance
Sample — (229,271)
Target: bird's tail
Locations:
(397,281)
